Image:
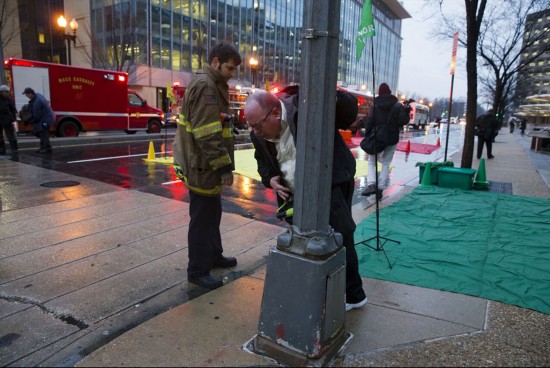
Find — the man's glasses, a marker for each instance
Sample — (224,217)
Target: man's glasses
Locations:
(258,126)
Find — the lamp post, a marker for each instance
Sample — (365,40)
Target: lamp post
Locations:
(254,67)
(62,23)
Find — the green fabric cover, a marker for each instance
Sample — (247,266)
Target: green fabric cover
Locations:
(494,246)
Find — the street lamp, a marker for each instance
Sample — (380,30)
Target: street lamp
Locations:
(62,23)
(254,67)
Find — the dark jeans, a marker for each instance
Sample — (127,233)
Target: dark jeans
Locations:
(488,142)
(44,136)
(204,238)
(10,134)
(342,221)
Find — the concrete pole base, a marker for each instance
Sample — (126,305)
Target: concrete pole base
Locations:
(303,309)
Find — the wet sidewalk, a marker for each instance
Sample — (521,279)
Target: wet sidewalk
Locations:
(401,325)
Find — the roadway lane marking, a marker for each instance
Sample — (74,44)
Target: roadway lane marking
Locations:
(171,182)
(109,158)
(105,158)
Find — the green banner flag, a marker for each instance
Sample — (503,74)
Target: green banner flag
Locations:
(170,92)
(366,27)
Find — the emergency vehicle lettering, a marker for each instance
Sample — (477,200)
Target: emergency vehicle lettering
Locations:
(75,79)
(83,80)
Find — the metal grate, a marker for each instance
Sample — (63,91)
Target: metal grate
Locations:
(60,184)
(500,187)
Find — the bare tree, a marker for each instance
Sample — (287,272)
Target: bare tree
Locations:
(474,15)
(499,34)
(471,23)
(116,49)
(504,38)
(8,30)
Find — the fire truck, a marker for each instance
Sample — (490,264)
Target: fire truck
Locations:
(237,100)
(83,99)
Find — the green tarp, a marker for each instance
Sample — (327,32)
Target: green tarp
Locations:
(490,245)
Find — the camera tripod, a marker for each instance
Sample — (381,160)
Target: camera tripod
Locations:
(379,240)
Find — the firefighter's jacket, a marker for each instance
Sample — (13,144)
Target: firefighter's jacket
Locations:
(204,145)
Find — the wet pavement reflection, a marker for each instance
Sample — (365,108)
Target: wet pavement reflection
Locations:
(123,165)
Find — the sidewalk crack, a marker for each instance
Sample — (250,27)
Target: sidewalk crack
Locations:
(66,318)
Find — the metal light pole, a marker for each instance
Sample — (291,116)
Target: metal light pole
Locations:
(303,307)
(62,23)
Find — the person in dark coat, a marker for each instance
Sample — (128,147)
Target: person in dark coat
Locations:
(274,123)
(487,126)
(42,118)
(7,117)
(384,105)
(523,125)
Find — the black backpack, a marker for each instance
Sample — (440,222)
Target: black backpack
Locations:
(26,113)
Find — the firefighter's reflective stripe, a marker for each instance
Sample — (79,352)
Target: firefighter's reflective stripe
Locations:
(206,130)
(220,162)
(214,191)
(182,120)
(227,133)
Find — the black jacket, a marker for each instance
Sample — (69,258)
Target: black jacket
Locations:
(383,106)
(7,110)
(487,126)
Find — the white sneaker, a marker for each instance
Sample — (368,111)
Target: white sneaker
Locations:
(350,306)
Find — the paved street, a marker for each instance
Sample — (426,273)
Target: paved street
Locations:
(81,265)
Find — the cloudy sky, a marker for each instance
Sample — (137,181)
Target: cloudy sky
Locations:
(425,61)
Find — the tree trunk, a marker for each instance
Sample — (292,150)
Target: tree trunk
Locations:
(472,34)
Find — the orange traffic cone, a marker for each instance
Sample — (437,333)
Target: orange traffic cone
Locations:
(408,148)
(438,142)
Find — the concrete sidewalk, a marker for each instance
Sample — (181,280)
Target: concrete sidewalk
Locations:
(401,325)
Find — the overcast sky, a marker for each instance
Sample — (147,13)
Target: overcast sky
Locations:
(425,61)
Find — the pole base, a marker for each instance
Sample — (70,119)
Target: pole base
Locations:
(261,346)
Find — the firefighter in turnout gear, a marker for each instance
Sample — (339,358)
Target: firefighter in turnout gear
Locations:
(204,161)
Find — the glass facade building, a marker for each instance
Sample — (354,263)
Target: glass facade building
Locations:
(162,42)
(177,35)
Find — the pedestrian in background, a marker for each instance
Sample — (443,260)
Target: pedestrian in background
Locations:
(387,110)
(523,125)
(42,118)
(8,114)
(274,123)
(487,126)
(204,160)
(512,125)
(437,124)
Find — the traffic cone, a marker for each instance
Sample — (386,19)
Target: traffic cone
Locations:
(151,154)
(438,144)
(357,133)
(427,176)
(408,148)
(480,181)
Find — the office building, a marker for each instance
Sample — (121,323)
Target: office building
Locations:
(532,97)
(161,42)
